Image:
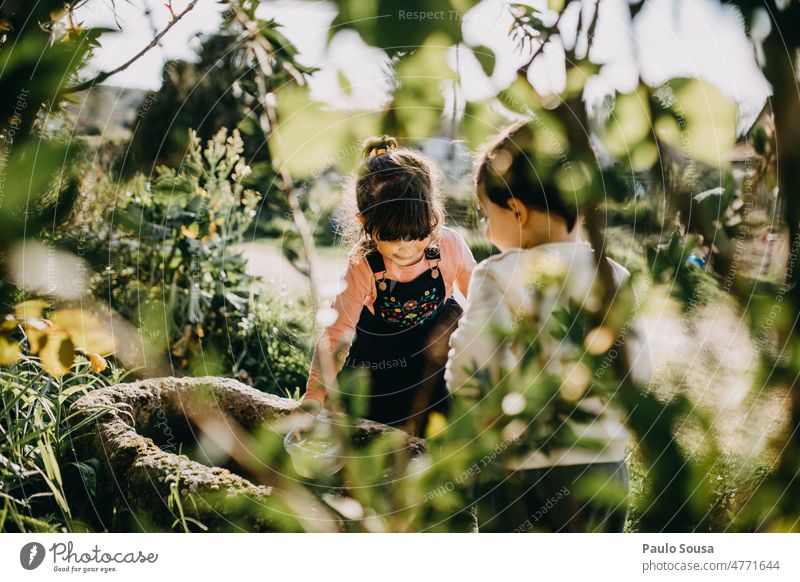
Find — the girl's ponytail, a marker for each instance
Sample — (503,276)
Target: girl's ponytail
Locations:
(376,146)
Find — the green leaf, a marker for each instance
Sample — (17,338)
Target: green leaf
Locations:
(419,101)
(399,27)
(481,121)
(309,138)
(347,88)
(630,123)
(694,117)
(520,98)
(486,58)
(87,473)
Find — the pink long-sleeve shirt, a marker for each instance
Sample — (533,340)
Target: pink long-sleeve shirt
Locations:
(456,265)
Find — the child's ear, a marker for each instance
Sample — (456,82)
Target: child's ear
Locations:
(521,212)
(361,218)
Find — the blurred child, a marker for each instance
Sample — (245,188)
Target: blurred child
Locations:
(396,310)
(539,489)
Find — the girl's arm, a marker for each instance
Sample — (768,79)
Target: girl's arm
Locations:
(348,303)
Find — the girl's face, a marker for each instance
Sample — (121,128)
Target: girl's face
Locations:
(502,227)
(403,252)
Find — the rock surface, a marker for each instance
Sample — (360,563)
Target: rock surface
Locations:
(136,439)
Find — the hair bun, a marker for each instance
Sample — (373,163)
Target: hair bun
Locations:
(377,146)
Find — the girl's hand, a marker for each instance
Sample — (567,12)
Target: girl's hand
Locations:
(303,416)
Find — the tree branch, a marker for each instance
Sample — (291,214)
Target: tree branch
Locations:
(106,74)
(545,34)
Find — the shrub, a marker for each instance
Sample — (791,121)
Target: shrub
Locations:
(169,264)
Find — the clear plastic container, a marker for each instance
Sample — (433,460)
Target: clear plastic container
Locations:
(315,454)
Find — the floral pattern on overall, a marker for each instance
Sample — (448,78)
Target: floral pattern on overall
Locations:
(411,311)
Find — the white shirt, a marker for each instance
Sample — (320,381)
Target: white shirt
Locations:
(504,291)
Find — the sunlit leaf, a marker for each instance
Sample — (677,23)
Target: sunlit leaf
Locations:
(58,353)
(344,83)
(9,351)
(310,138)
(630,123)
(521,98)
(644,156)
(36,332)
(577,76)
(30,309)
(696,119)
(422,78)
(47,454)
(87,330)
(190,232)
(97,362)
(480,122)
(396,27)
(550,144)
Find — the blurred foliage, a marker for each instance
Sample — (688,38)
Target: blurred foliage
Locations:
(48,355)
(36,186)
(309,138)
(401,28)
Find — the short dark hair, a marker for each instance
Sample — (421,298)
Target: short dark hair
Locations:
(397,193)
(507,170)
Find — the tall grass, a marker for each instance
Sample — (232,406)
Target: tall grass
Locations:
(38,469)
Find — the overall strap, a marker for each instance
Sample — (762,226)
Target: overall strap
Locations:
(432,253)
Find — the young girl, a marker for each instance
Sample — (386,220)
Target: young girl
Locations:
(536,487)
(397,310)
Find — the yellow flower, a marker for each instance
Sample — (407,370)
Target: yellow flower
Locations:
(97,362)
(191,232)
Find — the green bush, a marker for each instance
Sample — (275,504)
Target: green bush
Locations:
(271,347)
(169,265)
(43,486)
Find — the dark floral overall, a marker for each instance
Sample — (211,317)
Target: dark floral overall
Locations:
(404,344)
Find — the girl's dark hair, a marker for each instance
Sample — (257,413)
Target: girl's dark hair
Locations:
(398,194)
(506,169)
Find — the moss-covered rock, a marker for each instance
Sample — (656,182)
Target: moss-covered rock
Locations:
(143,432)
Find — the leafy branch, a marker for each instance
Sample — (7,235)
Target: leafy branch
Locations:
(100,77)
